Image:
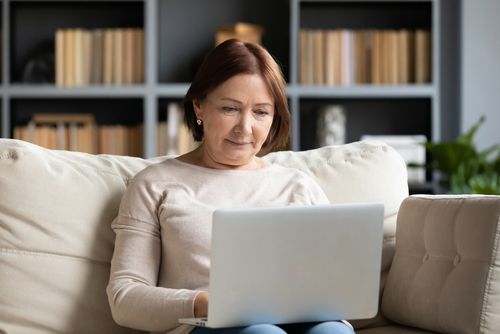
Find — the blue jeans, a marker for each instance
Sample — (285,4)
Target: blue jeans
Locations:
(328,327)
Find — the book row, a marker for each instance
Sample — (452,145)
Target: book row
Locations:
(103,139)
(79,132)
(348,57)
(101,56)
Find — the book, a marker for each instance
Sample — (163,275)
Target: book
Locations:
(422,56)
(128,56)
(59,55)
(108,57)
(69,57)
(330,56)
(346,59)
(138,56)
(97,57)
(61,136)
(307,57)
(86,57)
(174,120)
(186,142)
(318,58)
(376,63)
(162,136)
(403,56)
(310,58)
(393,57)
(78,66)
(303,56)
(118,56)
(141,55)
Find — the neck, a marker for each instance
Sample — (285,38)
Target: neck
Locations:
(202,158)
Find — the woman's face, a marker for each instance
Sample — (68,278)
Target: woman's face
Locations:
(237,117)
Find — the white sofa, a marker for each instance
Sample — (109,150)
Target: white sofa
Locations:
(56,243)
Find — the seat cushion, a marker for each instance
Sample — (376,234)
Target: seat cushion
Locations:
(445,276)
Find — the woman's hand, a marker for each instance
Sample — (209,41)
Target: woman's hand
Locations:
(201,305)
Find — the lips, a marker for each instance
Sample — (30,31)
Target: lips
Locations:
(237,142)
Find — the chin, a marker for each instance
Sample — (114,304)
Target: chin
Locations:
(238,160)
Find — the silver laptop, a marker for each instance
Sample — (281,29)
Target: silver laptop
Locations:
(294,264)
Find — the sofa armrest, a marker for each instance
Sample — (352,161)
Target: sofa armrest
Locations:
(445,276)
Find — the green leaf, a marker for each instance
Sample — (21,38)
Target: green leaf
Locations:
(448,156)
(467,137)
(488,184)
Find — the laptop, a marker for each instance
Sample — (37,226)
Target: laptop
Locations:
(294,264)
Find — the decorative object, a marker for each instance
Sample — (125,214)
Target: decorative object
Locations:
(245,31)
(331,123)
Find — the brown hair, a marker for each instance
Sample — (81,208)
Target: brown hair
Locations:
(231,58)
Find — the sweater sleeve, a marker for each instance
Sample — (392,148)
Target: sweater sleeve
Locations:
(134,297)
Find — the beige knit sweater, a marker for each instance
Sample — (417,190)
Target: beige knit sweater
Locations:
(163,231)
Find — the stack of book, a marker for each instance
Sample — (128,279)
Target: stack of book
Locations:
(348,57)
(121,140)
(75,132)
(79,132)
(412,150)
(174,137)
(101,56)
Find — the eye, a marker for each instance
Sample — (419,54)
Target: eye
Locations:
(261,113)
(229,109)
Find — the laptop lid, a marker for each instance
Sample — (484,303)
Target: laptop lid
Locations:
(295,264)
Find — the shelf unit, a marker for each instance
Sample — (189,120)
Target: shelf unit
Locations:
(177,37)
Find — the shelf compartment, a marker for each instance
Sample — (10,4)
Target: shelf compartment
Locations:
(366,14)
(181,54)
(34,23)
(379,42)
(374,116)
(122,118)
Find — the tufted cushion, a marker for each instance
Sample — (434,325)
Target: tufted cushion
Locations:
(445,276)
(56,208)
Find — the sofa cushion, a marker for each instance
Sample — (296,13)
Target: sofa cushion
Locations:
(55,238)
(358,172)
(445,276)
(56,208)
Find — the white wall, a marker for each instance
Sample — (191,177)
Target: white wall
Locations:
(481,69)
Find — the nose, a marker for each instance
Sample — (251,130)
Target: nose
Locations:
(244,124)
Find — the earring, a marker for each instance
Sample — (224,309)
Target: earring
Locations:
(198,121)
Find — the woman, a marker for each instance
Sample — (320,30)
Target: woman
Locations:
(237,107)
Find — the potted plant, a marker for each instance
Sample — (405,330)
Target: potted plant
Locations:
(463,169)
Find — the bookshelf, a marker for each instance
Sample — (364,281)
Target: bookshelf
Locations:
(172,53)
